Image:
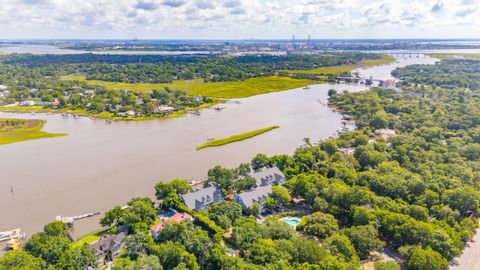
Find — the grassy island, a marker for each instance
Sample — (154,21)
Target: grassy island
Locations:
(16,130)
(235,138)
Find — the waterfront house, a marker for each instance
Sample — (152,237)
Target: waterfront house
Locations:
(176,218)
(27,103)
(108,247)
(268,176)
(256,195)
(130,113)
(202,198)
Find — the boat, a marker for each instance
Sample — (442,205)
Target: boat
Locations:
(107,122)
(210,139)
(306,87)
(76,116)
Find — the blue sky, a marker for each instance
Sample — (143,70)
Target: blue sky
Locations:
(239,19)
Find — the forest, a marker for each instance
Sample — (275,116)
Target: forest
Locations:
(413,193)
(165,69)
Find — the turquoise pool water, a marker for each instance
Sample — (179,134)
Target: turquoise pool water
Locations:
(291,221)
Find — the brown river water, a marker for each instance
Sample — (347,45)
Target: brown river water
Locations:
(98,166)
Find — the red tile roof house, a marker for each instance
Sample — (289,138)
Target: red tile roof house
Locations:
(177,218)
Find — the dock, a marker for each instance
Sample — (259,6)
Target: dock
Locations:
(69,220)
(13,238)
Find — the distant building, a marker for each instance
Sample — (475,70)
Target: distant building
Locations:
(176,218)
(202,198)
(266,176)
(27,103)
(348,151)
(164,109)
(197,99)
(130,113)
(386,134)
(108,247)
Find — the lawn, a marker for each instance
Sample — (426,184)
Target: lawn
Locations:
(237,89)
(235,138)
(90,238)
(16,130)
(336,70)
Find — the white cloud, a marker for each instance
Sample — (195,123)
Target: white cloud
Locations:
(234,18)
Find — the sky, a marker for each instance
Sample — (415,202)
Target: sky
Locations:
(238,19)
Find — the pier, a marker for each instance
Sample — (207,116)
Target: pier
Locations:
(70,220)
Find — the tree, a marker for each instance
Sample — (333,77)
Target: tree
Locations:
(340,246)
(464,199)
(361,216)
(281,195)
(47,247)
(270,204)
(141,214)
(260,161)
(318,224)
(177,186)
(332,93)
(143,262)
(77,258)
(254,209)
(56,228)
(226,209)
(364,238)
(14,260)
(137,244)
(222,176)
(245,183)
(172,255)
(426,259)
(112,217)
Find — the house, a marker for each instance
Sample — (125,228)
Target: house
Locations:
(176,218)
(347,151)
(130,113)
(108,247)
(268,176)
(386,134)
(27,103)
(164,109)
(3,87)
(202,198)
(139,101)
(256,195)
(198,99)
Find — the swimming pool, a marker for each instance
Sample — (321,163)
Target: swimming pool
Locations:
(292,221)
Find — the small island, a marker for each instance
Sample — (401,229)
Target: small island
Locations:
(16,130)
(235,138)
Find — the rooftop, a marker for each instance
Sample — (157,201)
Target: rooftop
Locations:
(197,199)
(266,176)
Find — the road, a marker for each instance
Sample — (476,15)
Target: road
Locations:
(470,259)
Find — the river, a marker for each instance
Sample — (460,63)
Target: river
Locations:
(51,49)
(98,166)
